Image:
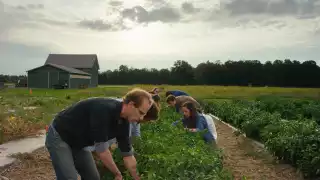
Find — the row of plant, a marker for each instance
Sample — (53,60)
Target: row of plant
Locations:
(296,141)
(288,108)
(168,152)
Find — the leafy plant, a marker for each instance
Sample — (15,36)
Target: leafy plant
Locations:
(296,141)
(169,152)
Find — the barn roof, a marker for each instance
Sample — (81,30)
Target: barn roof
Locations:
(73,60)
(64,68)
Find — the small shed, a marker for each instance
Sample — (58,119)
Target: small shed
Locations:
(53,75)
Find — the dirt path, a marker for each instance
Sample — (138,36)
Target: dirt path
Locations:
(244,158)
(33,166)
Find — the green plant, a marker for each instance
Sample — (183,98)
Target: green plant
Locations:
(168,152)
(294,141)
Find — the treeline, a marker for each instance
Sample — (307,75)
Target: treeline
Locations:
(11,78)
(284,73)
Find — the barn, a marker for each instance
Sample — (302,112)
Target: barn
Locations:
(66,71)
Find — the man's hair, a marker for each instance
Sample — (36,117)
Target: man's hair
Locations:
(171,98)
(153,113)
(137,95)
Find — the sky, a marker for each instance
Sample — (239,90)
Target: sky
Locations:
(155,33)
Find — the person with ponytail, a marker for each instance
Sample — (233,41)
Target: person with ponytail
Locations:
(196,121)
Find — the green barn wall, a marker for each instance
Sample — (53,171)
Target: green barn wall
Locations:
(94,71)
(77,82)
(46,77)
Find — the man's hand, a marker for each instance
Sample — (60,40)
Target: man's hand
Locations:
(107,160)
(192,129)
(118,177)
(113,146)
(131,164)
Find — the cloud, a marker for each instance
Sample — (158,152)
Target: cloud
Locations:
(139,14)
(30,7)
(30,15)
(272,7)
(188,7)
(18,57)
(5,22)
(101,25)
(120,16)
(115,3)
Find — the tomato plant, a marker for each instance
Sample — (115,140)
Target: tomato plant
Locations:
(169,152)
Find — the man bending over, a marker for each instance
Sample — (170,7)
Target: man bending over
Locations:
(92,122)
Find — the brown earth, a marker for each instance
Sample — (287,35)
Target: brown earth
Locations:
(244,158)
(33,166)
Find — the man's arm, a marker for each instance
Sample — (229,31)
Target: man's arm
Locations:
(99,122)
(131,164)
(125,146)
(106,157)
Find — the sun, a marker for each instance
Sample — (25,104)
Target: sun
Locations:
(138,40)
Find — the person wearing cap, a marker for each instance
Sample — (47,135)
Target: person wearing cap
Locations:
(92,122)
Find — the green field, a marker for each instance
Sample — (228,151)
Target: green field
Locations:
(286,120)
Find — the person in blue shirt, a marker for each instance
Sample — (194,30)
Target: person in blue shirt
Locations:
(194,121)
(176,93)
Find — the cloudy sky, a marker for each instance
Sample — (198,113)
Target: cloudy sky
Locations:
(155,33)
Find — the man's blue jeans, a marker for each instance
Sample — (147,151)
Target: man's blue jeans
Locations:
(67,162)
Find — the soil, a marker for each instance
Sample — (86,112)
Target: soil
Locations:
(245,159)
(33,166)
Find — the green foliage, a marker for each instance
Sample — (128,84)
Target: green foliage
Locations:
(168,152)
(295,141)
(241,73)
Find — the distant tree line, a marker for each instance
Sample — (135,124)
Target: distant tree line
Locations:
(283,73)
(11,78)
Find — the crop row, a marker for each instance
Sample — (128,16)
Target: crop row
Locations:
(288,108)
(168,152)
(296,141)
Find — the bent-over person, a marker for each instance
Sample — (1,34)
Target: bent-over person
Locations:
(177,102)
(92,122)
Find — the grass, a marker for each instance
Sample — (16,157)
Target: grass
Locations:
(17,122)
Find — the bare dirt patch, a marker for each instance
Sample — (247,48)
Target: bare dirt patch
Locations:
(30,166)
(243,158)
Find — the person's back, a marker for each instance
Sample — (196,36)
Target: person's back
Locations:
(211,126)
(75,124)
(176,93)
(180,100)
